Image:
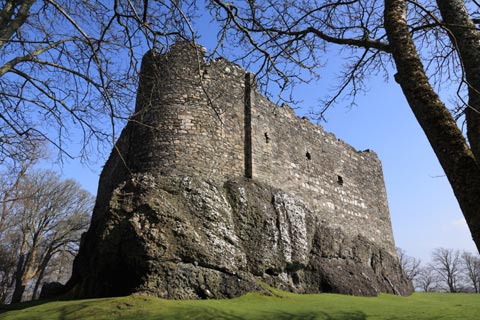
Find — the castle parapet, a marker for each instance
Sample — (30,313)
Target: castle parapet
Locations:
(207,119)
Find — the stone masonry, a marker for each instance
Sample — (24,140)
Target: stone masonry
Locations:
(207,153)
(212,122)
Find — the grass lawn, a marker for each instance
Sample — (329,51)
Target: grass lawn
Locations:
(278,306)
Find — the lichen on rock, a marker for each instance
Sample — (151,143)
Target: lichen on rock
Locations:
(212,188)
(190,238)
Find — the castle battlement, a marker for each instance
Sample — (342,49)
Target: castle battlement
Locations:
(211,187)
(207,119)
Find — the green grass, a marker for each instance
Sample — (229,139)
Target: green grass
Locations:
(278,306)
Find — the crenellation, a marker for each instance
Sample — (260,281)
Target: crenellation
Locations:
(208,119)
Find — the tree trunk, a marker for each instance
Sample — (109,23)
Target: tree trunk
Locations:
(18,292)
(42,268)
(13,15)
(444,136)
(466,38)
(25,269)
(451,283)
(19,288)
(38,282)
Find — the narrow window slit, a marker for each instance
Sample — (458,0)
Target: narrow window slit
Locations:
(267,138)
(340,180)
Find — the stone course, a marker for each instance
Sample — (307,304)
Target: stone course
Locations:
(191,119)
(212,187)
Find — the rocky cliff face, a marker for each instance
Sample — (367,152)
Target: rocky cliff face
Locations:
(174,217)
(188,238)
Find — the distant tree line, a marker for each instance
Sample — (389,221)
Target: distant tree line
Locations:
(449,271)
(42,218)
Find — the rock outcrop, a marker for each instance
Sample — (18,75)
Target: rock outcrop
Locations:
(212,188)
(185,238)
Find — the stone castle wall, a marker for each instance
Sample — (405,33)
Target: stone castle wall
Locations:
(207,119)
(345,185)
(197,122)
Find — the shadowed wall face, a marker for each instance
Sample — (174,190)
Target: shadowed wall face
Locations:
(189,116)
(211,188)
(207,119)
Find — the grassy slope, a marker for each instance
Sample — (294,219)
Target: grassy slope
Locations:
(257,306)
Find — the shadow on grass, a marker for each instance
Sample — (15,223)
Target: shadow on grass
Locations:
(211,313)
(22,305)
(317,315)
(65,312)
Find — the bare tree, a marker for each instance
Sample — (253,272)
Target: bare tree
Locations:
(7,268)
(68,69)
(410,265)
(447,264)
(433,44)
(427,279)
(47,216)
(471,269)
(12,175)
(449,270)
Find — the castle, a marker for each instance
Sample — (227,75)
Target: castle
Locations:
(208,121)
(212,122)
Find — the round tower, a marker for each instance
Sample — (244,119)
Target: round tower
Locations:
(182,112)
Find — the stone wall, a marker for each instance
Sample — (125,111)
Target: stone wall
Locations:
(207,119)
(344,185)
(189,116)
(211,187)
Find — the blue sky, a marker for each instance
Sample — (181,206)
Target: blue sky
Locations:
(424,211)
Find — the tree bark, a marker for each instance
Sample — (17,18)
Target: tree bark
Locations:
(25,268)
(19,286)
(18,292)
(41,273)
(439,126)
(12,15)
(466,38)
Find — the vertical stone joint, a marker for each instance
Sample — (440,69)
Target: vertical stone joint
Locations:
(248,125)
